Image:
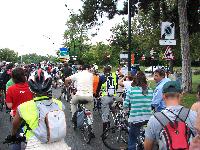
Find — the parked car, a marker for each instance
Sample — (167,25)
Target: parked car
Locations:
(149,69)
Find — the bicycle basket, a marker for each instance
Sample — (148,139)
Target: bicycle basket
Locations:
(80,118)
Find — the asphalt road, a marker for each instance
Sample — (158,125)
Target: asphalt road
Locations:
(73,139)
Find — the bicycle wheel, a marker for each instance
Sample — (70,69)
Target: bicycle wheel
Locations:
(115,138)
(87,133)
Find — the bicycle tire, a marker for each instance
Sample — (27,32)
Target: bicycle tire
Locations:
(108,141)
(87,132)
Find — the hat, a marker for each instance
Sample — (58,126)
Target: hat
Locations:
(172,87)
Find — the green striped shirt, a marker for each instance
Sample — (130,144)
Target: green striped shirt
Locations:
(140,104)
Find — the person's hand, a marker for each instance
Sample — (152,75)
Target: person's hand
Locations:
(10,139)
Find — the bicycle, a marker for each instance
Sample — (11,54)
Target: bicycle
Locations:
(141,137)
(97,105)
(83,120)
(116,136)
(16,140)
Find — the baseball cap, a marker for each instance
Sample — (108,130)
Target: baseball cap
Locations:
(172,87)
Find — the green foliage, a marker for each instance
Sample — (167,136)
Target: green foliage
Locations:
(195,45)
(34,58)
(145,30)
(8,55)
(98,54)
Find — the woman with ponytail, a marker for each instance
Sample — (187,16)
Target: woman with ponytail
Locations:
(138,101)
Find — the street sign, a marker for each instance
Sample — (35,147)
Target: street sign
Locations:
(167,42)
(123,58)
(167,30)
(64,51)
(168,55)
(167,34)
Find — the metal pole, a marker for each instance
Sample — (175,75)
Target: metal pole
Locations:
(21,59)
(129,35)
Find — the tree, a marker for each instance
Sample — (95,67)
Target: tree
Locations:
(8,55)
(185,47)
(34,58)
(76,35)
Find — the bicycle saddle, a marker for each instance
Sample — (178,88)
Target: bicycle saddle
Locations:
(83,102)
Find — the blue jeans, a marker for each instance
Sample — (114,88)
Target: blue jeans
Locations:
(134,132)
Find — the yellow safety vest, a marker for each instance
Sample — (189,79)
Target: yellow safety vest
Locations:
(29,113)
(104,85)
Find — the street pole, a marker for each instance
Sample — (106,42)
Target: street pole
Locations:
(21,59)
(129,35)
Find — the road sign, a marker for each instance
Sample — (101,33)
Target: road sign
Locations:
(167,34)
(168,55)
(123,58)
(167,42)
(64,51)
(167,30)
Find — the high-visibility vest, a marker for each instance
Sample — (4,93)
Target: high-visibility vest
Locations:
(29,113)
(105,88)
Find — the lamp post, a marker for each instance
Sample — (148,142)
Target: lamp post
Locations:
(129,35)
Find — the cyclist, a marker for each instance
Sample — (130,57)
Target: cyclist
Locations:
(66,71)
(108,82)
(38,122)
(84,83)
(138,98)
(19,92)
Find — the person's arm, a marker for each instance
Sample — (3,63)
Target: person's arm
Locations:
(194,107)
(121,81)
(16,123)
(150,133)
(70,78)
(157,97)
(148,144)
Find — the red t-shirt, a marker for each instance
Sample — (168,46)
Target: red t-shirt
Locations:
(17,94)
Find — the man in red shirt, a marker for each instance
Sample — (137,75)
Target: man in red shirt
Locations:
(19,92)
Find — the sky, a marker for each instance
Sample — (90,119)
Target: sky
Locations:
(37,26)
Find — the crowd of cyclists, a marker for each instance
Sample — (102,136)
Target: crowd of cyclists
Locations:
(38,119)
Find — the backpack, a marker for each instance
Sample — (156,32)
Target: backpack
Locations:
(51,124)
(78,118)
(175,135)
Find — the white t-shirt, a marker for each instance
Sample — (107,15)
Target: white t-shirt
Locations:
(127,85)
(84,83)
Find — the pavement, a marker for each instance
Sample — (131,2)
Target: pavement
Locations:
(73,138)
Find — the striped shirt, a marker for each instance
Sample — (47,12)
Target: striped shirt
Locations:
(140,104)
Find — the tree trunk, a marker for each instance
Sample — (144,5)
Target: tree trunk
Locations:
(185,47)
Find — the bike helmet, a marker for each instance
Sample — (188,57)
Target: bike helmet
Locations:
(40,83)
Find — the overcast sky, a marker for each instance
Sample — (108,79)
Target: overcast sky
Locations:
(27,25)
